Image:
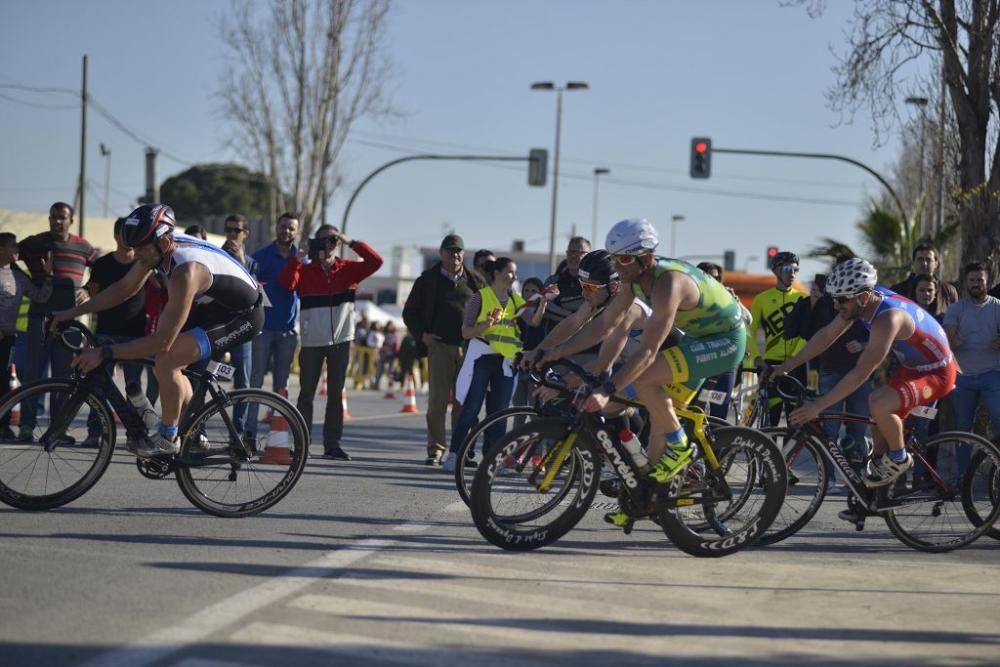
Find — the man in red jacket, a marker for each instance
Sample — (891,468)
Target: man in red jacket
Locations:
(326,286)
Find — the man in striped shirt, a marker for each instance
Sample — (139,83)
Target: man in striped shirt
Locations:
(68,256)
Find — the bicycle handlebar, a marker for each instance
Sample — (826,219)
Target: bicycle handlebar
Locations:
(81,337)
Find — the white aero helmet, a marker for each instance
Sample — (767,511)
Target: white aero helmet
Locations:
(851,277)
(633,236)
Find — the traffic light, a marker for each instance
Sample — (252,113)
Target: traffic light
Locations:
(538,159)
(701,157)
(729,260)
(772,252)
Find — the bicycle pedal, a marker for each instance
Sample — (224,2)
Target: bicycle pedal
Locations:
(628,526)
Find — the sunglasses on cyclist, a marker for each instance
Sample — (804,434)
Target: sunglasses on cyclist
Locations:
(844,299)
(624,260)
(789,268)
(591,287)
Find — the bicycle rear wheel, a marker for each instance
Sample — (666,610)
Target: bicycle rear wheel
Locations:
(944,502)
(504,421)
(240,474)
(701,520)
(808,475)
(52,468)
(507,506)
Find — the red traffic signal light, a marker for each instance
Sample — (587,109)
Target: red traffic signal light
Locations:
(701,157)
(772,251)
(700,147)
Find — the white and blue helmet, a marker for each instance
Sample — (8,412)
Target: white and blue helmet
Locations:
(633,236)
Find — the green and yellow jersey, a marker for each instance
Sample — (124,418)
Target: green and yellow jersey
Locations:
(717,310)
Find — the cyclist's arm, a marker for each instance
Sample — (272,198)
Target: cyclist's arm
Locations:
(883,333)
(185,283)
(613,345)
(567,327)
(670,292)
(597,329)
(112,295)
(756,315)
(817,344)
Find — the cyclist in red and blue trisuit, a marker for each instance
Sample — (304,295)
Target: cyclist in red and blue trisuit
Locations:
(926,371)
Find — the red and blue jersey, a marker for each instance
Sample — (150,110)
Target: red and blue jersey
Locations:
(927,349)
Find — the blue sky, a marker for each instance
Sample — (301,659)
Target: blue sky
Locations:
(748,74)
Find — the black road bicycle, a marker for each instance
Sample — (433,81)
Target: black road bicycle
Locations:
(220,469)
(538,482)
(948,499)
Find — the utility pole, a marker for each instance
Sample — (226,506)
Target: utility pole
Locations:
(83,146)
(152,190)
(106,152)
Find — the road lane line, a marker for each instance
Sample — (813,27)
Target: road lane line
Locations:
(212,619)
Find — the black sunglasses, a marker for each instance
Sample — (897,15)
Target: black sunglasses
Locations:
(234,230)
(844,299)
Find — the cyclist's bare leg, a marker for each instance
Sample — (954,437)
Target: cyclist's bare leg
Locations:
(884,404)
(662,420)
(175,390)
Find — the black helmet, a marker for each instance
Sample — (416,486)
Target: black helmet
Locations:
(148,223)
(785,257)
(596,266)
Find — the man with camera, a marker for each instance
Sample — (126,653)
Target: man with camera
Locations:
(326,287)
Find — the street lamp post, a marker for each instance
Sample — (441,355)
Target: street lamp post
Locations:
(106,152)
(548,85)
(674,219)
(921,102)
(598,172)
(746,264)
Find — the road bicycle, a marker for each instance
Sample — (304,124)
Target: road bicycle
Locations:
(220,469)
(947,500)
(538,482)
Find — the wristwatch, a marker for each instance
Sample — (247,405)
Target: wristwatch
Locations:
(106,353)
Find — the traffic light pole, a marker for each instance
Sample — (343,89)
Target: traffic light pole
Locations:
(830,156)
(410,158)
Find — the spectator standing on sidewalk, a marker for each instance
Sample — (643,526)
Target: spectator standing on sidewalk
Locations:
(925,294)
(566,281)
(326,287)
(275,346)
(433,314)
(237,232)
(70,257)
(925,262)
(197,231)
(124,322)
(973,328)
(490,325)
(14,283)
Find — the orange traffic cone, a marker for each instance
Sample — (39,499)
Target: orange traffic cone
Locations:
(389,391)
(278,449)
(15,412)
(322,383)
(343,403)
(270,413)
(410,397)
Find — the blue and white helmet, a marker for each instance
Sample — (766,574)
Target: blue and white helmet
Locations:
(633,236)
(851,277)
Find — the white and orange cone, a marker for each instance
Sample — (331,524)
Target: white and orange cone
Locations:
(343,403)
(389,391)
(322,383)
(278,449)
(410,397)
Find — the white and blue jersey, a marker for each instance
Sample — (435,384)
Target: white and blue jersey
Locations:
(232,288)
(927,349)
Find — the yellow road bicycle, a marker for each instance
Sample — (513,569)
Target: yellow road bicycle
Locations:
(534,485)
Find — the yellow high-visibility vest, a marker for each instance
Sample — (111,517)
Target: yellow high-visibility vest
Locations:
(504,336)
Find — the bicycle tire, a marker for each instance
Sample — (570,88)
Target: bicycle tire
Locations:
(932,501)
(464,473)
(809,474)
(527,530)
(764,470)
(991,480)
(91,464)
(198,482)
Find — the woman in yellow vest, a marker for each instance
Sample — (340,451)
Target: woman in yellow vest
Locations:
(494,337)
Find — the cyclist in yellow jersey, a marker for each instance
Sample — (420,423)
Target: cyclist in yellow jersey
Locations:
(769,309)
(679,294)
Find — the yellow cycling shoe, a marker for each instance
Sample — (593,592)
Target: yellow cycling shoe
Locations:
(671,464)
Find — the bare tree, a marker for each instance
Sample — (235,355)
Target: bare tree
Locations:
(301,73)
(888,43)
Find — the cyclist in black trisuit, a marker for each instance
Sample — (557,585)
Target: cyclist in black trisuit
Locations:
(213,304)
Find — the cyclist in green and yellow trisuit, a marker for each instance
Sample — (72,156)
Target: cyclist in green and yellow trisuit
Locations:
(680,295)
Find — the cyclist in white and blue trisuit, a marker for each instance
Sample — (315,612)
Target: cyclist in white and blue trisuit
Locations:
(212,305)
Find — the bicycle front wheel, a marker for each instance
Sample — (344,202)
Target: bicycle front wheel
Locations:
(808,475)
(509,504)
(494,426)
(232,474)
(944,501)
(47,465)
(713,513)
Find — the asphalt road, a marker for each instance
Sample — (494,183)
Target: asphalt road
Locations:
(376,561)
